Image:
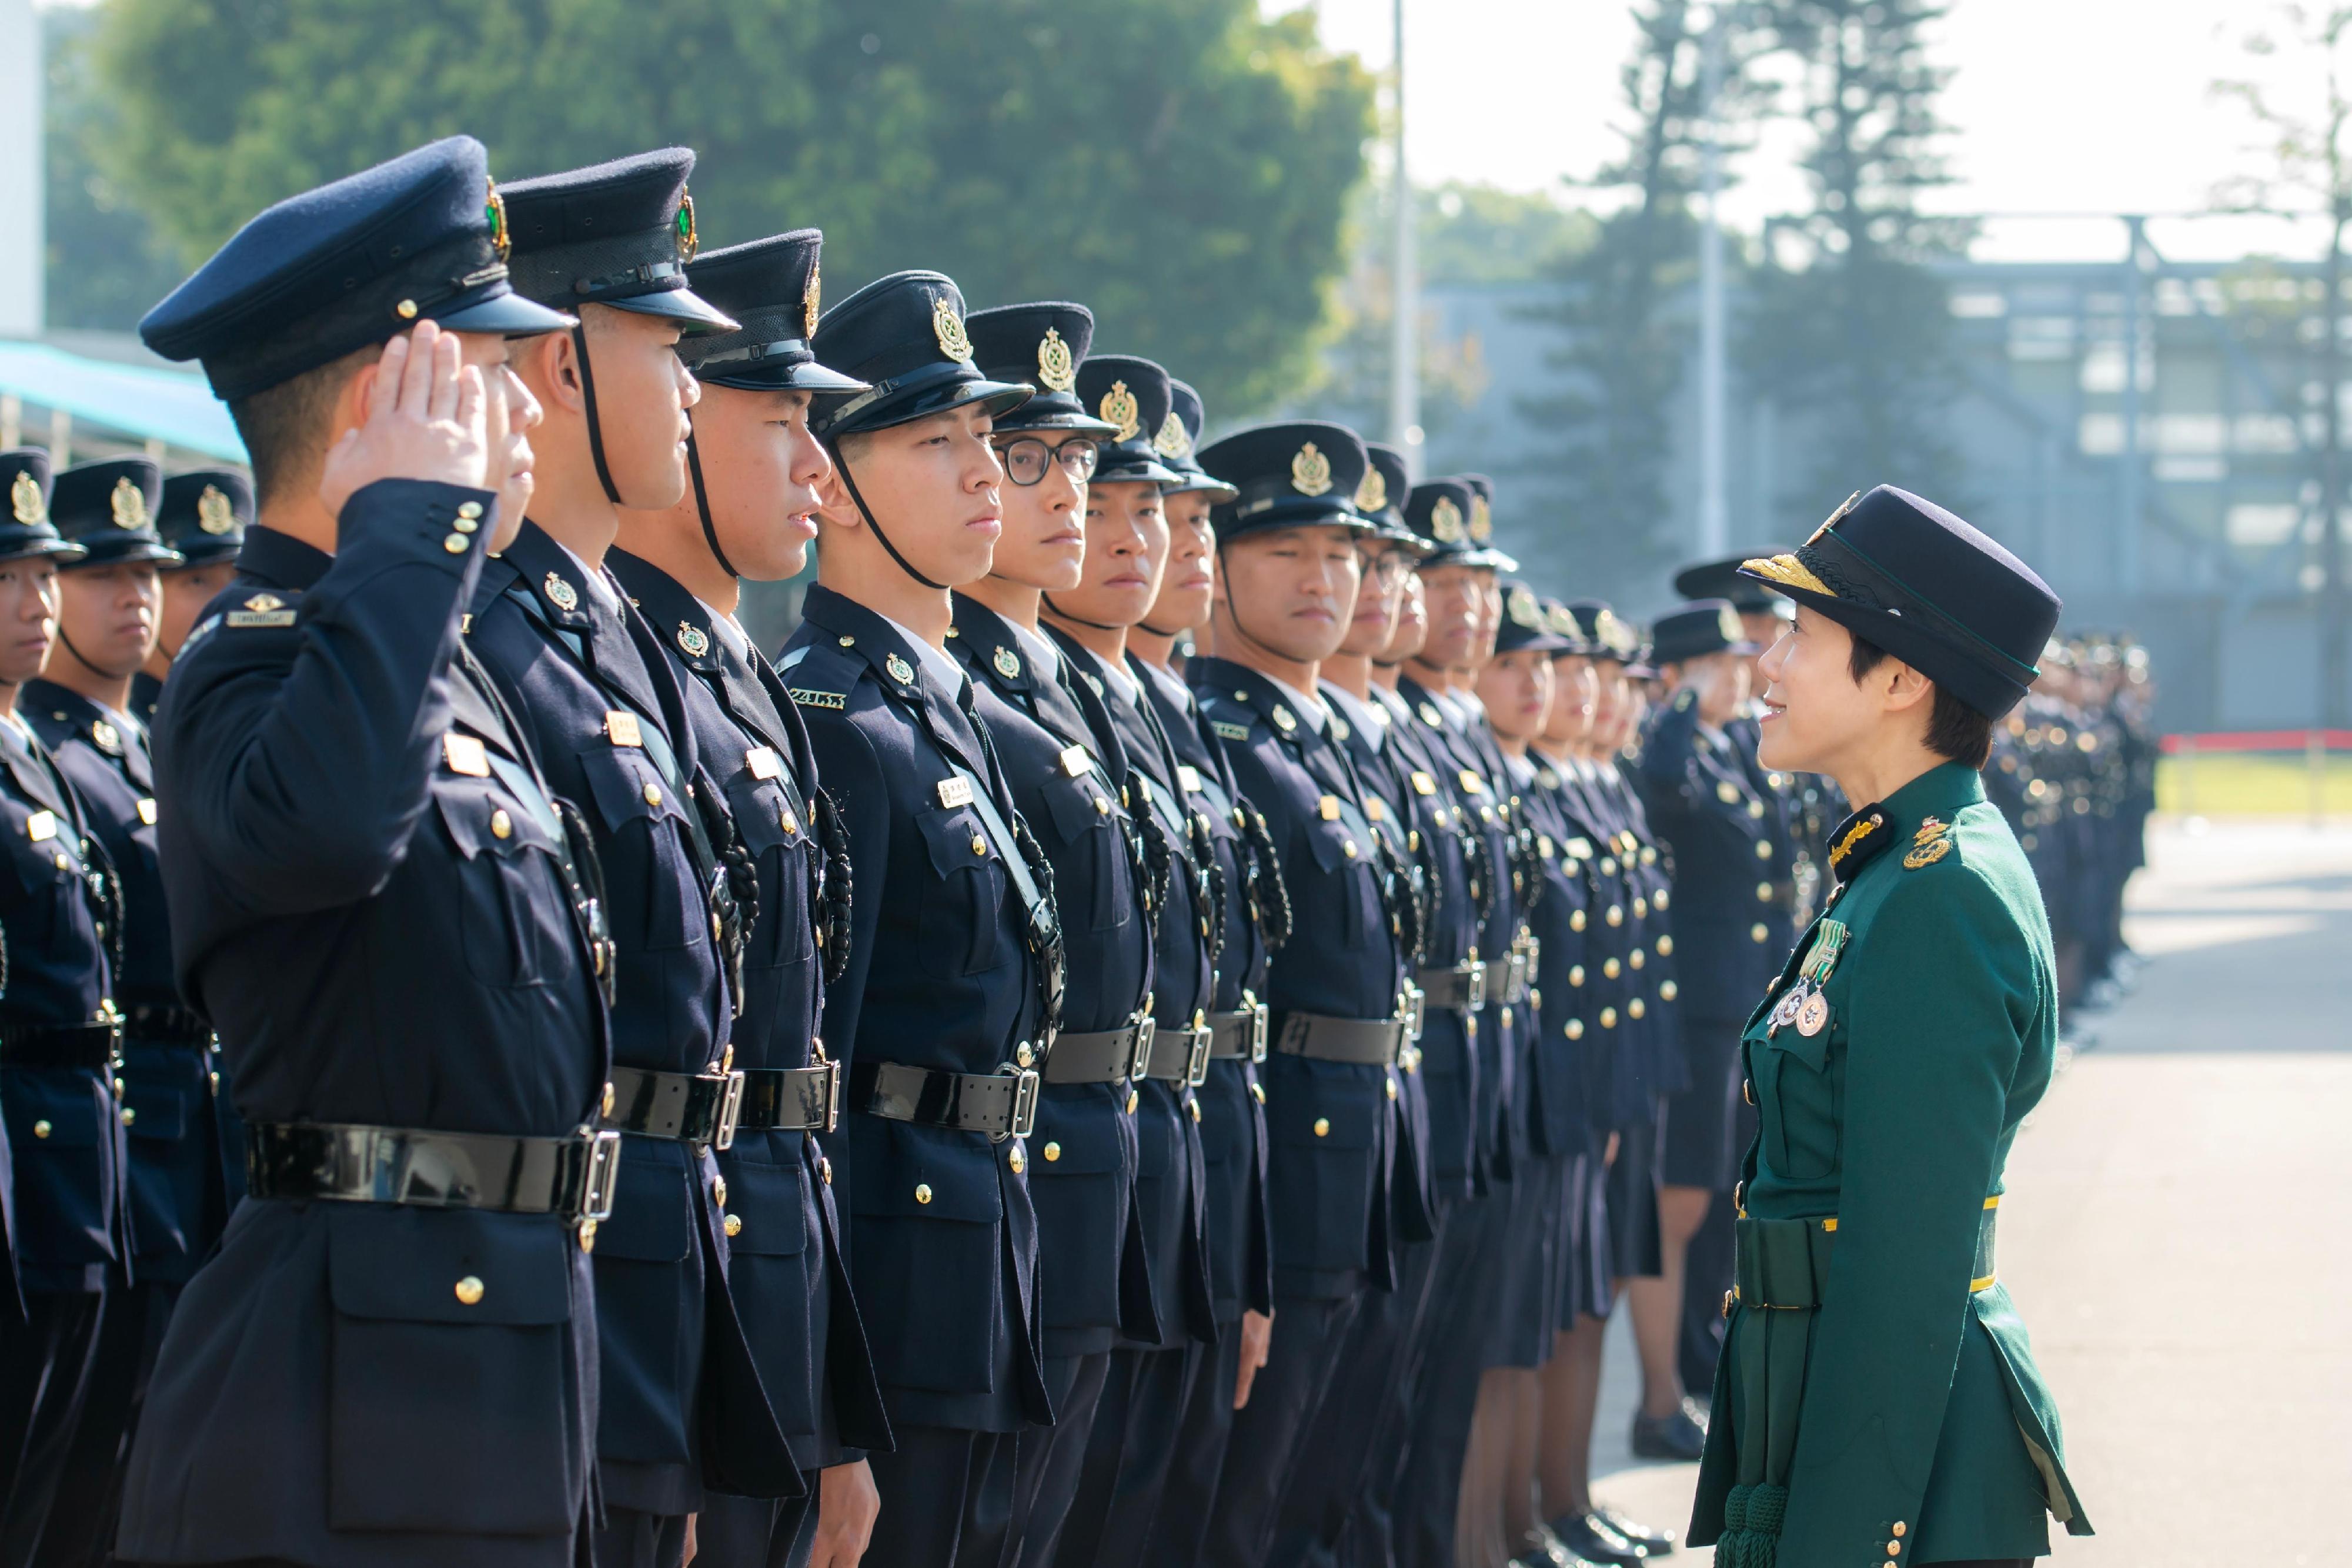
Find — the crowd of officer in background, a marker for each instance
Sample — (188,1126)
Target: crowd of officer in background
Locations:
(1158,1028)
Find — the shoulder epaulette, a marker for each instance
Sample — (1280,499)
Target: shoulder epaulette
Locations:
(263,608)
(817,677)
(1931,843)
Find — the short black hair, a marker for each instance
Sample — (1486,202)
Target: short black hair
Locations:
(284,427)
(1956,731)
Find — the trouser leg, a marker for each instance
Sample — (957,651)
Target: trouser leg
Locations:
(1308,1337)
(947,1498)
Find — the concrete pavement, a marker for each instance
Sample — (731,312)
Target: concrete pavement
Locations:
(2174,1232)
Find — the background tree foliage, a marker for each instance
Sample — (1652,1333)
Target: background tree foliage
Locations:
(1181,166)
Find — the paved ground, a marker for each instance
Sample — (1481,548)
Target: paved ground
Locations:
(2175,1231)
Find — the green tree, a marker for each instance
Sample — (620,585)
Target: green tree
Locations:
(1183,166)
(105,262)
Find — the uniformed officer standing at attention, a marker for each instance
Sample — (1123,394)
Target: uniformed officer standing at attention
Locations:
(392,1357)
(1877,1398)
(749,512)
(683,1408)
(1068,777)
(954,973)
(58,1035)
(203,519)
(1287,577)
(106,605)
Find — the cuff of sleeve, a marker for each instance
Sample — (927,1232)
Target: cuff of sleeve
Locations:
(415,520)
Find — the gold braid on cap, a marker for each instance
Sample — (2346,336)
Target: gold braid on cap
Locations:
(1787,570)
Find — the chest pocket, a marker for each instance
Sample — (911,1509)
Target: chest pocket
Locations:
(513,915)
(634,804)
(1345,858)
(776,832)
(1799,1095)
(963,910)
(1092,836)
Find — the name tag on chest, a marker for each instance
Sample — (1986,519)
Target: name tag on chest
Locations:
(955,792)
(764,763)
(621,728)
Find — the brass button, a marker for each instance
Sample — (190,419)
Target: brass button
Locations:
(1576,920)
(652,795)
(1616,915)
(1636,958)
(1665,944)
(1641,909)
(1756,933)
(587,1236)
(1608,1018)
(1507,1018)
(1016,1162)
(1612,969)
(1747,1090)
(1763,892)
(1053,1153)
(1635,1008)
(1102,807)
(979,844)
(64,862)
(470,510)
(1196,1112)
(1133,1100)
(1257,1092)
(1756,810)
(466,524)
(1350,847)
(406,311)
(609,1098)
(825,1169)
(734,1226)
(922,1192)
(41,1129)
(454,544)
(1894,1548)
(129,1115)
(1023,1055)
(1576,974)
(1661,901)
(1763,850)
(501,825)
(1573,1029)
(1669,991)
(1392,1092)
(1322,1126)
(719,1190)
(1899,1528)
(469,1290)
(791,823)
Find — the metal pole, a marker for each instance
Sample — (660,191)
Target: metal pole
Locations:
(1404,354)
(2128,487)
(2331,480)
(1714,522)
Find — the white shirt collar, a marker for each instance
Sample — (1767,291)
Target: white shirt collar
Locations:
(731,629)
(1045,657)
(1369,720)
(595,578)
(1311,709)
(943,670)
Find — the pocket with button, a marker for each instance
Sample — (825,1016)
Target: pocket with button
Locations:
(1799,1086)
(962,916)
(1090,837)
(1323,1128)
(515,928)
(926,1217)
(645,822)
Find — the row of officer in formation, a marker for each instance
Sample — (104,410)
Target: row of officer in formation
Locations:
(1157,1029)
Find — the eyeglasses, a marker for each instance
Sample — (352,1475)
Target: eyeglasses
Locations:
(1386,566)
(1025,458)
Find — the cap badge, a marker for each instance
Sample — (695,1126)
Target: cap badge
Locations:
(561,594)
(689,238)
(1727,623)
(811,298)
(1614,634)
(25,500)
(1172,441)
(1482,520)
(130,505)
(1008,664)
(693,639)
(214,513)
(1057,368)
(1525,611)
(900,671)
(1310,471)
(494,212)
(1558,619)
(948,330)
(1119,408)
(1843,509)
(1446,521)
(1373,495)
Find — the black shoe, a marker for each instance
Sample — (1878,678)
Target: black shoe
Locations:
(1585,1536)
(1681,1435)
(1640,1537)
(1539,1548)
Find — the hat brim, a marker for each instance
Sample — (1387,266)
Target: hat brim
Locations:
(1534,642)
(942,389)
(505,315)
(135,551)
(1133,471)
(807,376)
(1987,691)
(1302,512)
(212,554)
(1198,484)
(691,310)
(1055,419)
(58,550)
(1487,555)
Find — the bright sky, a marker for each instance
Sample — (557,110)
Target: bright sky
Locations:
(2059,106)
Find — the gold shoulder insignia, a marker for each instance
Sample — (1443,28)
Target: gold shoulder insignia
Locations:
(807,699)
(1928,854)
(1230,731)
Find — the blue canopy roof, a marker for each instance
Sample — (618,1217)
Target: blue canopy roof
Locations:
(176,407)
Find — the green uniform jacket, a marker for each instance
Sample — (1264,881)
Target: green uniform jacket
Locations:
(1912,1423)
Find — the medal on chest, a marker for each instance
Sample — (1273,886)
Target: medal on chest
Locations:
(1805,1005)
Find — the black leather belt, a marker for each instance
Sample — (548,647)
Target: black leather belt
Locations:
(1179,1055)
(97,1046)
(1372,1042)
(1002,1104)
(1239,1035)
(692,1107)
(1104,1056)
(347,1163)
(790,1099)
(1517,969)
(1463,986)
(168,1025)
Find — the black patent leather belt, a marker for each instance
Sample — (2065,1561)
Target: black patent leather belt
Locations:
(1104,1056)
(168,1025)
(691,1107)
(1001,1104)
(1372,1042)
(349,1162)
(97,1046)
(1239,1035)
(790,1099)
(1179,1055)
(1463,986)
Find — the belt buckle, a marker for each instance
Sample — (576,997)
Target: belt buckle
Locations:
(1534,953)
(1474,974)
(832,1070)
(1025,1082)
(731,1108)
(1413,1011)
(1196,1064)
(1257,1013)
(1139,1058)
(604,1178)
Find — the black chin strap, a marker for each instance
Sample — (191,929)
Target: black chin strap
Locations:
(1172,636)
(596,425)
(84,658)
(850,481)
(1047,600)
(702,502)
(1233,609)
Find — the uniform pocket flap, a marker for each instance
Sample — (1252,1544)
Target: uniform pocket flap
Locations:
(1071,802)
(758,806)
(64,1113)
(1813,1050)
(157,1110)
(925,1180)
(956,838)
(1330,842)
(1329,1122)
(771,1203)
(627,786)
(1076,1140)
(475,812)
(450,1266)
(653,1218)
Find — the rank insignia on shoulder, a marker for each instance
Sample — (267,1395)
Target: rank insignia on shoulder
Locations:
(466,754)
(108,738)
(1928,854)
(899,669)
(835,701)
(1327,808)
(261,610)
(1189,776)
(764,763)
(1423,784)
(1283,719)
(147,809)
(41,826)
(1008,664)
(955,792)
(560,593)
(1075,762)
(693,639)
(621,727)
(1229,731)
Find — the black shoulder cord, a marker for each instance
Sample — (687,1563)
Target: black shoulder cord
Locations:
(595,424)
(841,465)
(1212,882)
(834,882)
(702,500)
(1269,899)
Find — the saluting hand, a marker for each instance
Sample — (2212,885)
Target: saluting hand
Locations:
(424,420)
